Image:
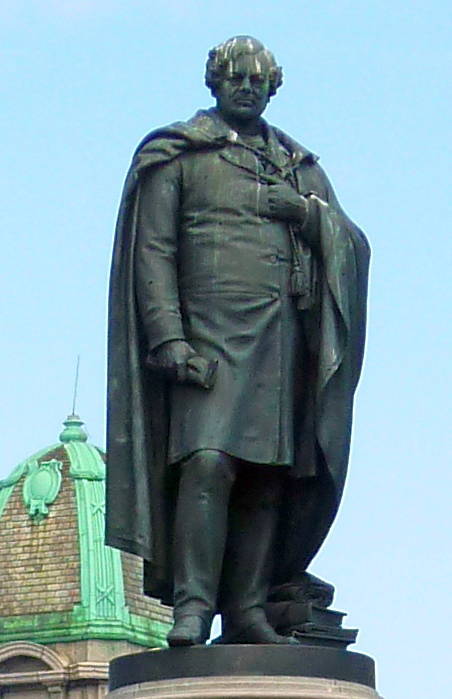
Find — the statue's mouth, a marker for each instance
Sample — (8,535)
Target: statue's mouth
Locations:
(244,102)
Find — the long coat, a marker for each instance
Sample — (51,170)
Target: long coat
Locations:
(213,268)
(140,487)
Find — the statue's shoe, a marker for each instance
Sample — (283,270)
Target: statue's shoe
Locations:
(189,630)
(259,632)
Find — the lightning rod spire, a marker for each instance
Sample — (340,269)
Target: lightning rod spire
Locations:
(74,399)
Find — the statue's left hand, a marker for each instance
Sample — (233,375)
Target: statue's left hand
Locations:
(286,204)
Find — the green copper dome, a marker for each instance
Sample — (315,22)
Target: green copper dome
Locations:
(59,580)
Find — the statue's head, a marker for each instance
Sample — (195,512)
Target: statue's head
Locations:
(242,75)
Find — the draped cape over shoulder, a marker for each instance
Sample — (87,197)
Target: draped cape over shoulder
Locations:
(140,487)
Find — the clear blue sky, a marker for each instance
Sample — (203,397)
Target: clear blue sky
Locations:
(367,87)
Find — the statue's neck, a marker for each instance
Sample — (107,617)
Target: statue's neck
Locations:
(251,127)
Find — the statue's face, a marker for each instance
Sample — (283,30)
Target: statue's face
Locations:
(244,92)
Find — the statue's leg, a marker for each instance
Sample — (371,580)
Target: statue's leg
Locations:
(249,558)
(199,541)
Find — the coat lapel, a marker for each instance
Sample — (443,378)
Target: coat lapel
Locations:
(243,158)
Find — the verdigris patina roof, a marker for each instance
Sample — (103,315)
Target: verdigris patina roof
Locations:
(59,581)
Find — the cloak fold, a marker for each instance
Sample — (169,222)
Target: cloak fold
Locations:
(140,488)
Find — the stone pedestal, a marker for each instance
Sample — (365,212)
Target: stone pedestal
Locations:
(242,671)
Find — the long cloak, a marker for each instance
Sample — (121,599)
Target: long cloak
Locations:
(141,489)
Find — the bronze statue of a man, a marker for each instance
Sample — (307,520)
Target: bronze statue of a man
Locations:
(236,333)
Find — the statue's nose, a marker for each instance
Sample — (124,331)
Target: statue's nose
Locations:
(246,84)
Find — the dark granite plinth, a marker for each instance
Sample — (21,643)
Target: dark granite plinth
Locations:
(242,660)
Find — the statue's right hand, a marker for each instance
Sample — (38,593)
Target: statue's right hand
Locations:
(170,359)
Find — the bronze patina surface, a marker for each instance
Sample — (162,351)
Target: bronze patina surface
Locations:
(236,336)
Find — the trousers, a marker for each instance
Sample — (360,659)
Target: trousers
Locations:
(224,537)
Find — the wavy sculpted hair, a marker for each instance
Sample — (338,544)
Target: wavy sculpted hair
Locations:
(220,57)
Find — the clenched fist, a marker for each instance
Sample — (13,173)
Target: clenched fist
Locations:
(171,358)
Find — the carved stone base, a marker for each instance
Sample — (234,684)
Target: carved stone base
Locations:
(219,672)
(254,687)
